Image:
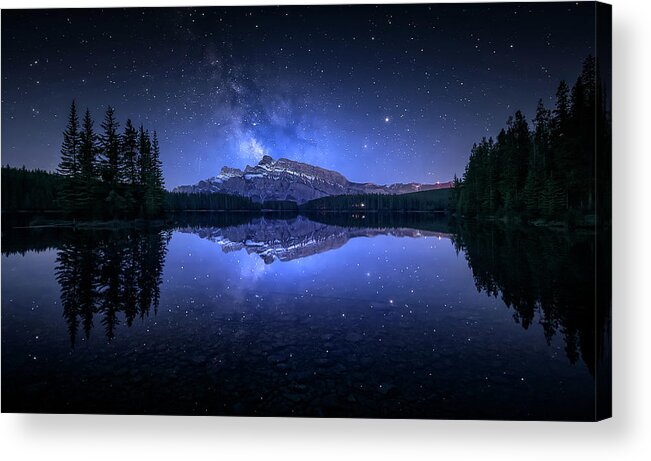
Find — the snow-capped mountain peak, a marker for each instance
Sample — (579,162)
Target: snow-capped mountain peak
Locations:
(286,179)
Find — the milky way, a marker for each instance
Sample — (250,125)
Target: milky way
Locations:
(379,93)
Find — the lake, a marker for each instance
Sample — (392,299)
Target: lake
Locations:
(330,315)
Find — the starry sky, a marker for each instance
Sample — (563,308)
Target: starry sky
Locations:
(389,93)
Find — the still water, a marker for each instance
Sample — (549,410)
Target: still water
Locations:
(336,316)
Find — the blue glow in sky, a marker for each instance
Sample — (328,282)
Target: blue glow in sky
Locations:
(392,93)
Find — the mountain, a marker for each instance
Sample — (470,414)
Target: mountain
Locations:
(285,179)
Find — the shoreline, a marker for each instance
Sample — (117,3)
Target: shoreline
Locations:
(48,219)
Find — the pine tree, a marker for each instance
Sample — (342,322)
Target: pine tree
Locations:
(158,182)
(561,140)
(88,148)
(562,111)
(145,172)
(87,163)
(455,193)
(110,143)
(515,147)
(541,139)
(130,153)
(144,156)
(109,174)
(553,170)
(583,112)
(129,156)
(69,165)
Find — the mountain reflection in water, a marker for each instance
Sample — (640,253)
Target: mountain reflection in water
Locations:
(298,237)
(324,270)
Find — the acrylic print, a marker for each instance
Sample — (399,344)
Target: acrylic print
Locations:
(365,211)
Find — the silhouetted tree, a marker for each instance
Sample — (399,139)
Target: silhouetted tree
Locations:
(110,143)
(69,165)
(88,165)
(550,171)
(110,175)
(88,149)
(157,183)
(130,153)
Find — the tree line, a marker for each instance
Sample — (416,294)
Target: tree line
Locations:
(180,201)
(29,190)
(549,170)
(431,200)
(111,173)
(39,190)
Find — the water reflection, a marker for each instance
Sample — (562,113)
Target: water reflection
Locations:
(538,273)
(105,274)
(332,315)
(546,275)
(298,237)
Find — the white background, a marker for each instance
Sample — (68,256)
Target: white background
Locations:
(626,436)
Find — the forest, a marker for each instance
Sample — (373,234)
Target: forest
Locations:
(431,200)
(100,175)
(181,201)
(109,174)
(548,170)
(30,190)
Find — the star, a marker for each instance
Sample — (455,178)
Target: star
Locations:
(306,88)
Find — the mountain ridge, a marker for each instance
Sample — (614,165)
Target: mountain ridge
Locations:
(290,180)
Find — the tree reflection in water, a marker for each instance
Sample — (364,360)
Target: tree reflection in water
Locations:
(104,274)
(545,276)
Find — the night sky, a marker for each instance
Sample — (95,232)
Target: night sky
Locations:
(379,93)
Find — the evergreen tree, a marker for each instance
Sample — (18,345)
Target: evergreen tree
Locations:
(69,165)
(87,164)
(561,139)
(147,205)
(97,177)
(584,114)
(130,153)
(515,147)
(88,148)
(551,171)
(562,111)
(144,156)
(541,139)
(158,182)
(110,144)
